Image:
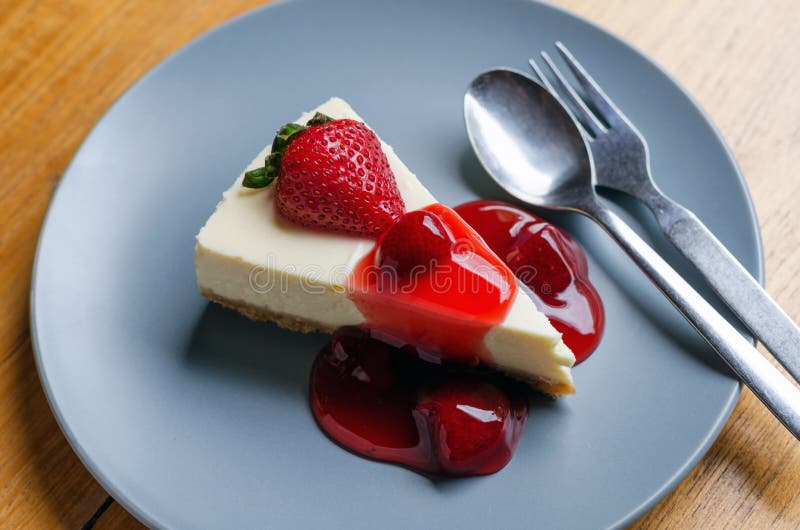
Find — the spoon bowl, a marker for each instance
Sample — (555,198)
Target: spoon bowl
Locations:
(526,140)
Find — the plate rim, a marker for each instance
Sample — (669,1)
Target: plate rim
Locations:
(149,519)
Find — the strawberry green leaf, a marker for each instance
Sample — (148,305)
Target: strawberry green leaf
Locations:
(284,136)
(257,178)
(318,119)
(262,177)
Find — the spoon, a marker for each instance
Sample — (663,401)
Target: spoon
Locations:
(530,146)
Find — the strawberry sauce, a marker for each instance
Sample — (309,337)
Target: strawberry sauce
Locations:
(550,263)
(383,403)
(448,303)
(414,392)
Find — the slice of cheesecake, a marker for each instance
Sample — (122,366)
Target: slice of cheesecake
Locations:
(249,258)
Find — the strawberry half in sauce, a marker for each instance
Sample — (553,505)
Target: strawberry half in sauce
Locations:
(383,403)
(416,240)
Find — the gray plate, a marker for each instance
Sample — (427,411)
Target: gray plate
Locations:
(192,416)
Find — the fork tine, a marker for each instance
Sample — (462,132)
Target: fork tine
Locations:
(540,75)
(587,117)
(601,102)
(550,88)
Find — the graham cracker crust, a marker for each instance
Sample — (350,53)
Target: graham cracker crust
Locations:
(544,386)
(284,320)
(303,325)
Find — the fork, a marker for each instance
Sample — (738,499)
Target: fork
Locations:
(622,163)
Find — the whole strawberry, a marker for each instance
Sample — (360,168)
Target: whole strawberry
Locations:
(331,175)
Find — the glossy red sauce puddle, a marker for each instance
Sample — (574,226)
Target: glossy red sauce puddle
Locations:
(387,404)
(550,263)
(379,399)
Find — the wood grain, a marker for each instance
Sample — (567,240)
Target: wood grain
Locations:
(62,63)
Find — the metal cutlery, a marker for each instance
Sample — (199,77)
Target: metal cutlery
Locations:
(621,160)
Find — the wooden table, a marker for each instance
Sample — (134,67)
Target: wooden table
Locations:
(63,62)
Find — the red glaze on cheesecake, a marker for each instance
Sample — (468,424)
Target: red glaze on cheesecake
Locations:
(457,287)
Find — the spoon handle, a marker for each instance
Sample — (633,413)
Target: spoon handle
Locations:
(734,285)
(766,381)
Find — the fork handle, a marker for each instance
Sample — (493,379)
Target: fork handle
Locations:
(765,380)
(734,285)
